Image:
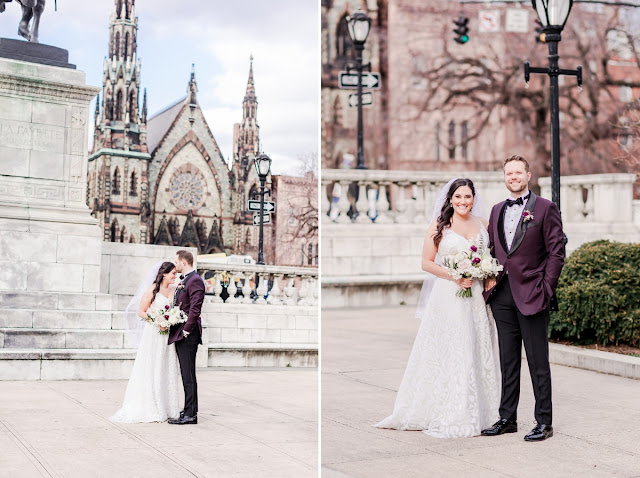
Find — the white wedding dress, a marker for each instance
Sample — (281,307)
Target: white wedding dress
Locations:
(451,386)
(153,390)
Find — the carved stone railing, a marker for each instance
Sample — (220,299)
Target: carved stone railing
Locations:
(594,198)
(385,197)
(256,284)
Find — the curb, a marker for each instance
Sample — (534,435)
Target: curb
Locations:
(595,360)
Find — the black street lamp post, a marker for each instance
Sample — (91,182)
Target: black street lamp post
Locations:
(358,25)
(263,165)
(553,15)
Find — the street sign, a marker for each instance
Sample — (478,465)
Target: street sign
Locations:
(350,80)
(269,206)
(489,21)
(256,219)
(367,99)
(517,20)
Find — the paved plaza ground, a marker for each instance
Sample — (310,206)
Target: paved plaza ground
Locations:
(364,353)
(252,423)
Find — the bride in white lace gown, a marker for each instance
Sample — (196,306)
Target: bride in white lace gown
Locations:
(152,393)
(451,386)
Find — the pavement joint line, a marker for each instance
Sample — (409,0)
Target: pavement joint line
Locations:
(262,406)
(33,456)
(404,455)
(311,467)
(182,466)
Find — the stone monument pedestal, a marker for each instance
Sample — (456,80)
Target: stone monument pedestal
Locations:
(48,239)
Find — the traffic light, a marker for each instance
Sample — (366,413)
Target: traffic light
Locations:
(540,36)
(461,30)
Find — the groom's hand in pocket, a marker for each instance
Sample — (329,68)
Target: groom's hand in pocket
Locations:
(489,283)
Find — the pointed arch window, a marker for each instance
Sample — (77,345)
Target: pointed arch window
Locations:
(132,240)
(119,8)
(117,46)
(123,234)
(119,106)
(133,186)
(126,46)
(132,106)
(115,182)
(344,45)
(113,231)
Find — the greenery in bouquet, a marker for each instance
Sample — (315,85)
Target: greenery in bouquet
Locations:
(473,263)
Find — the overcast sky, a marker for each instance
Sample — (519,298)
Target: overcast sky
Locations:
(218,36)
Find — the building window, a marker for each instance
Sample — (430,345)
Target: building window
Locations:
(452,140)
(114,230)
(115,182)
(126,46)
(132,107)
(344,45)
(292,217)
(626,94)
(310,255)
(117,46)
(464,138)
(119,106)
(437,141)
(134,185)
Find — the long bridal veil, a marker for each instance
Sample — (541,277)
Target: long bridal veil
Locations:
(478,209)
(133,324)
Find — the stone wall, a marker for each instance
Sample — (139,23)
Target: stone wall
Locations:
(124,266)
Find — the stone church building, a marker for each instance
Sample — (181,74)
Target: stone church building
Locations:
(162,179)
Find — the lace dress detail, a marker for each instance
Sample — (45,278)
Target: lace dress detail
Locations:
(153,388)
(451,386)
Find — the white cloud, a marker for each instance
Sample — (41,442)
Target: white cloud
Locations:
(218,36)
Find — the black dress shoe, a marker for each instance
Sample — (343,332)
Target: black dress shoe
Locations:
(539,433)
(501,426)
(184,420)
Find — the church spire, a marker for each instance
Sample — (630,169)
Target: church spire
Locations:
(120,120)
(251,89)
(247,134)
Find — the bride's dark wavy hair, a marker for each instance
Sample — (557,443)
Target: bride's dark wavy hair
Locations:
(446,213)
(165,268)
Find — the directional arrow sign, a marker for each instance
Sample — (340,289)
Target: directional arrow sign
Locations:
(350,80)
(367,99)
(269,206)
(256,219)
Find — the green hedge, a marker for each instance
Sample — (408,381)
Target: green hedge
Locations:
(599,295)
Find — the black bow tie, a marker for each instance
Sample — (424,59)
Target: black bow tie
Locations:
(181,276)
(520,201)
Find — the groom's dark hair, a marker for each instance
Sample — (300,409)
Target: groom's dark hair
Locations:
(516,157)
(185,256)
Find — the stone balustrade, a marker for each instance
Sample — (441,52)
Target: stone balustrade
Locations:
(374,225)
(275,285)
(387,197)
(594,198)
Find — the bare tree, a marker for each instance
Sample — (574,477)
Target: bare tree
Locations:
(597,124)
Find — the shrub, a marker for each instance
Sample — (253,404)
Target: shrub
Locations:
(599,295)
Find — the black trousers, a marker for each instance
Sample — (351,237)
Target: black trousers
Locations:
(187,349)
(513,329)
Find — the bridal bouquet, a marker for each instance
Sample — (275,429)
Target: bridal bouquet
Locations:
(471,264)
(165,317)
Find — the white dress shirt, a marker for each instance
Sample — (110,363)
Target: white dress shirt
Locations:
(512,217)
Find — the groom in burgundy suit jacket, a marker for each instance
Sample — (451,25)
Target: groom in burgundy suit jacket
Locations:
(525,233)
(187,336)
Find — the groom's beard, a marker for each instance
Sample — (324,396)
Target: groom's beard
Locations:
(517,189)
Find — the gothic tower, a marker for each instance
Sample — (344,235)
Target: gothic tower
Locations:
(246,135)
(118,161)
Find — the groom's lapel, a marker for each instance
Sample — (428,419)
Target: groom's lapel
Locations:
(501,237)
(522,226)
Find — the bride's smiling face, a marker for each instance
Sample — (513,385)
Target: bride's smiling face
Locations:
(169,277)
(462,200)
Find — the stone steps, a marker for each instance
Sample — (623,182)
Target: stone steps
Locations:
(66,364)
(39,338)
(262,355)
(60,301)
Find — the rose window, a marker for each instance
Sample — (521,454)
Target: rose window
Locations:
(187,190)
